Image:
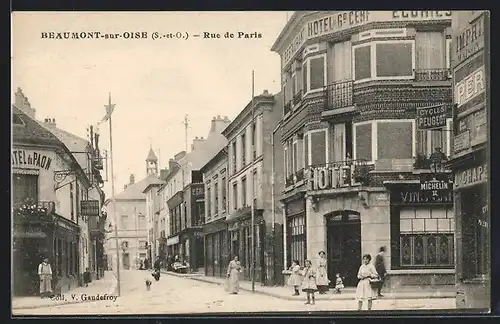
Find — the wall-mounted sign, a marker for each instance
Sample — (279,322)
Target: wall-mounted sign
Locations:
(479,132)
(470,86)
(432,117)
(197,191)
(331,177)
(344,20)
(439,192)
(471,176)
(31,158)
(173,240)
(28,231)
(461,142)
(468,41)
(89,207)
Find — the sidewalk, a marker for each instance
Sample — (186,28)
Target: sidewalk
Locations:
(106,285)
(348,293)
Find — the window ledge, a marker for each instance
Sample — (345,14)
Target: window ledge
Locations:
(426,84)
(299,183)
(420,271)
(289,188)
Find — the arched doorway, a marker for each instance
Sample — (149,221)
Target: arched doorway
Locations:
(343,245)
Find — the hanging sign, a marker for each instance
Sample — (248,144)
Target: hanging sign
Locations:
(432,117)
(89,207)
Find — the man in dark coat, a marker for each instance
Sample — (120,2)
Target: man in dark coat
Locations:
(380,267)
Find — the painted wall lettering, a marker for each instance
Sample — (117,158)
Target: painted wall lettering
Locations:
(31,158)
(471,176)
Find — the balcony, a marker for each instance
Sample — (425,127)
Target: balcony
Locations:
(435,162)
(287,108)
(339,95)
(289,181)
(426,75)
(297,98)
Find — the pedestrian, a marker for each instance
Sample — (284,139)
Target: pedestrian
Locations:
(146,263)
(86,277)
(45,274)
(364,290)
(156,268)
(309,283)
(233,276)
(381,270)
(295,279)
(322,280)
(339,284)
(148,282)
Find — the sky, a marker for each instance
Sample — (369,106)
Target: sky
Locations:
(153,82)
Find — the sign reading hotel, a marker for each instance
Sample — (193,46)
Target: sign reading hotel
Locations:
(23,158)
(471,176)
(432,117)
(331,177)
(349,19)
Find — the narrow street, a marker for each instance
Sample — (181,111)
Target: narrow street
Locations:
(174,295)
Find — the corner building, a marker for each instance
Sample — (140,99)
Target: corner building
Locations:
(356,164)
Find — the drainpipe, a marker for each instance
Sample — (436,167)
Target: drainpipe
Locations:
(273,213)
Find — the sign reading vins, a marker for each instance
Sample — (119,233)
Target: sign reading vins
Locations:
(426,192)
(331,177)
(31,158)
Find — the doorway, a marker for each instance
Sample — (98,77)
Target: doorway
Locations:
(126,261)
(343,245)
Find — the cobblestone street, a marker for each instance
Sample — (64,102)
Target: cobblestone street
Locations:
(175,295)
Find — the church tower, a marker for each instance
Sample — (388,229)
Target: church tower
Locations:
(151,162)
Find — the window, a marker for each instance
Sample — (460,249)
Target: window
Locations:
(209,200)
(200,218)
(363,142)
(318,150)
(448,54)
(430,50)
(254,139)
(426,237)
(243,150)
(124,222)
(384,60)
(235,195)
(233,156)
(141,220)
(387,147)
(428,140)
(314,73)
(223,193)
(24,187)
(71,201)
(342,141)
(296,237)
(216,198)
(342,61)
(255,186)
(244,192)
(143,244)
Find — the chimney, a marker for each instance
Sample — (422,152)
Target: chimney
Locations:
(22,102)
(164,174)
(171,164)
(197,143)
(219,124)
(132,179)
(50,122)
(266,93)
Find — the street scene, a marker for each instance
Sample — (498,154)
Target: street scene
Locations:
(323,161)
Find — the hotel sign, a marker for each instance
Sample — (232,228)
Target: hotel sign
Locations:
(31,158)
(344,20)
(331,177)
(471,176)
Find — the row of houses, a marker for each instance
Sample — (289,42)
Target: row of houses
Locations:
(56,202)
(378,138)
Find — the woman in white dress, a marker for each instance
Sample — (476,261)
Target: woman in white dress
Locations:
(364,290)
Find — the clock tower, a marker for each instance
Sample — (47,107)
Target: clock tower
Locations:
(151,162)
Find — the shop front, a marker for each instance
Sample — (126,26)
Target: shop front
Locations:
(473,233)
(173,247)
(191,247)
(422,231)
(217,247)
(240,237)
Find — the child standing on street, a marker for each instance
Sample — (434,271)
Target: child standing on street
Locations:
(86,277)
(295,278)
(309,282)
(339,284)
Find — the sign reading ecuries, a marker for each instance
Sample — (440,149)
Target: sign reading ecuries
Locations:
(431,117)
(471,176)
(31,158)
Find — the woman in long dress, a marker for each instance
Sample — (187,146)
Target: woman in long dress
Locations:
(45,274)
(233,276)
(322,280)
(364,290)
(309,283)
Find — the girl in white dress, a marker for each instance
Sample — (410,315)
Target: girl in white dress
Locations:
(364,290)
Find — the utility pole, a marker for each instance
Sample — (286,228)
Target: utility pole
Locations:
(253,185)
(186,125)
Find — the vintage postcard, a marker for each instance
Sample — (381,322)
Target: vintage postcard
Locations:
(222,162)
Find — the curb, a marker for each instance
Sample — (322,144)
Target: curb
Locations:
(265,293)
(111,292)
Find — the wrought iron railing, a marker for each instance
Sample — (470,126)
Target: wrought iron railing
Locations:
(289,181)
(297,97)
(361,169)
(287,107)
(299,175)
(339,94)
(431,74)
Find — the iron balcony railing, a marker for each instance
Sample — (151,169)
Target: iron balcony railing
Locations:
(339,95)
(297,97)
(431,74)
(361,169)
(287,107)
(289,181)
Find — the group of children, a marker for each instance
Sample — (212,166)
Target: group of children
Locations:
(306,278)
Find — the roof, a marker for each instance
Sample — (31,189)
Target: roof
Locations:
(151,155)
(154,183)
(218,157)
(135,191)
(32,132)
(296,16)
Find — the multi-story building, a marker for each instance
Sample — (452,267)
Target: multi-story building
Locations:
(470,156)
(186,196)
(48,186)
(357,156)
(130,205)
(243,134)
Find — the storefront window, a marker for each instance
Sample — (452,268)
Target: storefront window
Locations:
(296,238)
(24,186)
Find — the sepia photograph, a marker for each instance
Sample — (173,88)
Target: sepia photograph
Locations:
(204,162)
